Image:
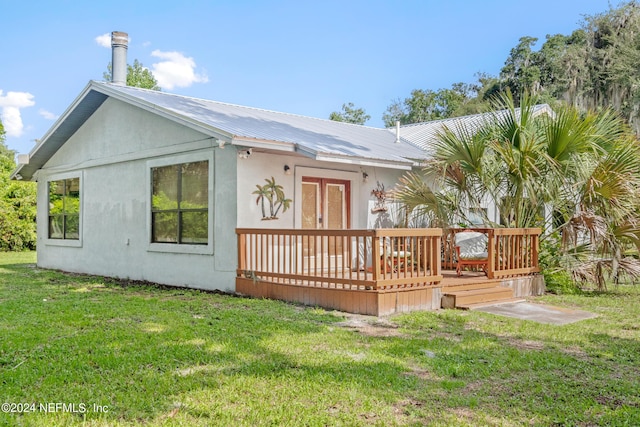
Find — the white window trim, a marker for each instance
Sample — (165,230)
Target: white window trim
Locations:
(66,242)
(173,160)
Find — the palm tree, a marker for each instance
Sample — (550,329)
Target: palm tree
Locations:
(582,167)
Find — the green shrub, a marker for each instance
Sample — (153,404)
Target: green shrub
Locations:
(17,206)
(561,283)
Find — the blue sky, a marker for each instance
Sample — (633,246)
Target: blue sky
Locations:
(294,56)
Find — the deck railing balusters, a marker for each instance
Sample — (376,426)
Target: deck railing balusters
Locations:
(375,259)
(346,259)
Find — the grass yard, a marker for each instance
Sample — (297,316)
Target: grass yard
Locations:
(80,350)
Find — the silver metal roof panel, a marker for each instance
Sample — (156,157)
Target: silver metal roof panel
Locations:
(318,138)
(247,123)
(424,135)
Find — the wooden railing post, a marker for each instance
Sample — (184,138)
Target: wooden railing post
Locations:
(535,249)
(436,258)
(491,253)
(375,258)
(242,260)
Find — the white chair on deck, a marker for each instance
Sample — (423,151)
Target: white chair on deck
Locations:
(471,250)
(393,257)
(398,257)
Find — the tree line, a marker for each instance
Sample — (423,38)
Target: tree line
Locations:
(575,174)
(17,205)
(594,67)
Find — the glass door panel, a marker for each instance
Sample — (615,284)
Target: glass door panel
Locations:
(325,205)
(335,213)
(310,215)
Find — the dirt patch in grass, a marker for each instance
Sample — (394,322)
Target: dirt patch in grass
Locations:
(370,326)
(526,344)
(576,352)
(422,373)
(472,388)
(404,409)
(400,406)
(613,402)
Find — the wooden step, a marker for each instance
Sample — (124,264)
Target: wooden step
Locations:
(486,284)
(457,299)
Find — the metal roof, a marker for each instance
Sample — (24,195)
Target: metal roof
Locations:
(253,127)
(423,135)
(246,124)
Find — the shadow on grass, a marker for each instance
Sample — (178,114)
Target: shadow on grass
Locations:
(141,350)
(528,373)
(152,354)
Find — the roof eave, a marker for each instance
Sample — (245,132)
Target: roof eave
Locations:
(16,175)
(363,161)
(263,143)
(36,158)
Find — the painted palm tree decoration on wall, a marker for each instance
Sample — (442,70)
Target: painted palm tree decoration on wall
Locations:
(273,194)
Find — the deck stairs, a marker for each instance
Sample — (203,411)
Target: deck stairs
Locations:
(467,296)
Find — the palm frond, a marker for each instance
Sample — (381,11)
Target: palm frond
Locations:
(420,200)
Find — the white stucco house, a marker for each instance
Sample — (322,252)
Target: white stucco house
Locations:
(148,185)
(105,165)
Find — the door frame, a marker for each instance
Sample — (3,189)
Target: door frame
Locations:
(322,184)
(353,202)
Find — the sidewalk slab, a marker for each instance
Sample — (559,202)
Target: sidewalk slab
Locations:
(538,313)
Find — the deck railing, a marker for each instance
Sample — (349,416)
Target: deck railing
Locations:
(511,251)
(347,259)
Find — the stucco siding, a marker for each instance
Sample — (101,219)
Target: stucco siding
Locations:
(117,129)
(115,201)
(256,168)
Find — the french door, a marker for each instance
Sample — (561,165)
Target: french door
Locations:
(325,205)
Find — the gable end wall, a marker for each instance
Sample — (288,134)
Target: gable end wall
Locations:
(110,153)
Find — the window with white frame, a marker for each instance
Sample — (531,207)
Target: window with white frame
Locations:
(180,203)
(64,209)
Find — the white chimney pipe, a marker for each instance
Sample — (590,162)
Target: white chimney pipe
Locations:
(398,131)
(119,45)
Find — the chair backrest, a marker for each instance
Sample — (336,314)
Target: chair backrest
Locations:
(471,243)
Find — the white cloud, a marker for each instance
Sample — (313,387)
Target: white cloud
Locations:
(48,114)
(175,70)
(10,106)
(104,40)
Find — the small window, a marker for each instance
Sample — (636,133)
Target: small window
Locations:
(64,209)
(180,204)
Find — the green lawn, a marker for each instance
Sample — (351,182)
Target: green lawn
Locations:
(108,353)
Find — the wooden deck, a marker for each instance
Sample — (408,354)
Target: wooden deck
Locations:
(337,269)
